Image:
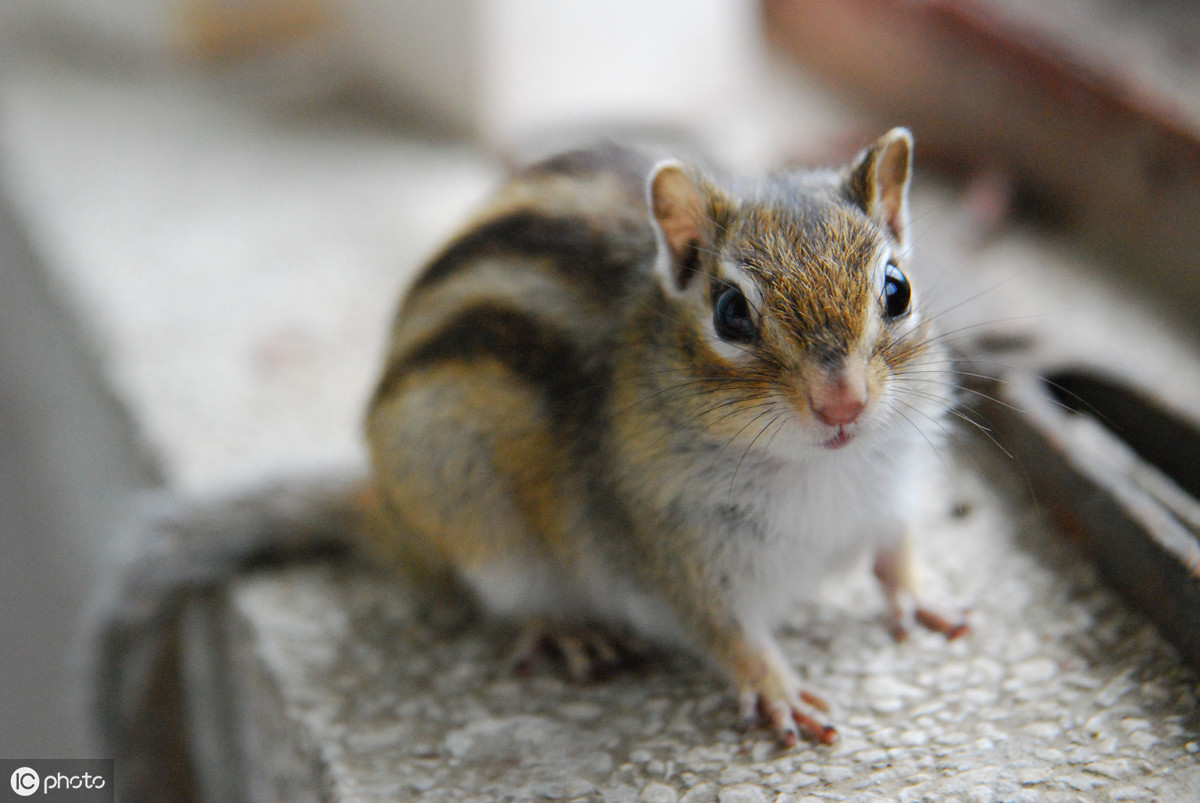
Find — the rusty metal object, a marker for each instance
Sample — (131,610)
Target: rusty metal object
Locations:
(1120,474)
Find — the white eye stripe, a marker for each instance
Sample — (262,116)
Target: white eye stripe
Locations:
(734,275)
(886,257)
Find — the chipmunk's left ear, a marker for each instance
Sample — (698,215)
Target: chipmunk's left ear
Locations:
(879,179)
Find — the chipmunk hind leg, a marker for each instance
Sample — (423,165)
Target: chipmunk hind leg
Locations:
(478,472)
(474,476)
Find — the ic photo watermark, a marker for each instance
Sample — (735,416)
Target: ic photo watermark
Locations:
(48,780)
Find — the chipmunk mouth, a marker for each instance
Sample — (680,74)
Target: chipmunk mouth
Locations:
(840,439)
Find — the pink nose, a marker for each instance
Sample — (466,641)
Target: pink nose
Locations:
(840,411)
(839,400)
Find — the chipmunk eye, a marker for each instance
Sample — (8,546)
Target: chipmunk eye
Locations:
(732,317)
(897,292)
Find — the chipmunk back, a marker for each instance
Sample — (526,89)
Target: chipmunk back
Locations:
(630,396)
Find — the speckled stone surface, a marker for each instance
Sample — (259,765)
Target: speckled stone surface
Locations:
(1059,693)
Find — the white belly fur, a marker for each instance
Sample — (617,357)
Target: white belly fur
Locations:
(816,519)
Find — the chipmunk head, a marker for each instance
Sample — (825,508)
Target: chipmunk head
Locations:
(797,284)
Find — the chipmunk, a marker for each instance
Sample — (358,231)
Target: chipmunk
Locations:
(630,396)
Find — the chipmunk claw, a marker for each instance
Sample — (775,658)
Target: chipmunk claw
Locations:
(787,719)
(902,617)
(586,653)
(949,626)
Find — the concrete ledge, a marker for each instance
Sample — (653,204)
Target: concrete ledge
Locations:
(233,267)
(1059,693)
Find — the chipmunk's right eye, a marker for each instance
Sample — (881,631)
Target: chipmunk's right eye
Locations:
(733,318)
(897,292)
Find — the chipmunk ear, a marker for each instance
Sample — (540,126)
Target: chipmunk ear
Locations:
(878,182)
(681,210)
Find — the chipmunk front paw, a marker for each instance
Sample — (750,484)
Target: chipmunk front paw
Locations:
(906,608)
(769,694)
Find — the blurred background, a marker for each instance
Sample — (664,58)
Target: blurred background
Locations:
(208,207)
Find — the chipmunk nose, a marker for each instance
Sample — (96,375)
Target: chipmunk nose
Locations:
(839,399)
